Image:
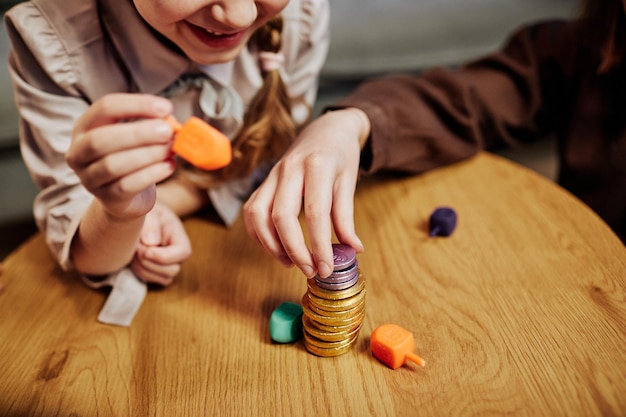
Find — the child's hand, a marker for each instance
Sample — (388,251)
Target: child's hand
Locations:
(118,160)
(322,165)
(163,246)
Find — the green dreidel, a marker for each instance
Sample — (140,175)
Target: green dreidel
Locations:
(286,323)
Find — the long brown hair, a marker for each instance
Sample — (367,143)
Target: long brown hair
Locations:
(605,25)
(268,127)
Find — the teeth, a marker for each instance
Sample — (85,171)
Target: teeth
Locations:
(215,33)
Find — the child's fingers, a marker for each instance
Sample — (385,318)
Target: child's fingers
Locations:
(116,166)
(160,264)
(343,212)
(98,143)
(285,213)
(258,220)
(116,107)
(150,232)
(155,273)
(166,254)
(318,201)
(133,183)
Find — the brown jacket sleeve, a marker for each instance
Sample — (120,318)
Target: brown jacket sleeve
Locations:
(441,116)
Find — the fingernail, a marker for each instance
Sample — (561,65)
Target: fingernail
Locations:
(308,271)
(162,128)
(162,107)
(324,270)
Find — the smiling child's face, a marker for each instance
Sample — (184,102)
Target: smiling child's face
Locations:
(209,31)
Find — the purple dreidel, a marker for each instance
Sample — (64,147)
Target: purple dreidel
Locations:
(442,222)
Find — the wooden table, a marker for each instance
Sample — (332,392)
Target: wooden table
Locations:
(522,311)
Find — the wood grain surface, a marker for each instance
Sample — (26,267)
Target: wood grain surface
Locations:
(522,311)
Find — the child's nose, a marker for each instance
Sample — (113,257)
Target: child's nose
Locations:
(236,14)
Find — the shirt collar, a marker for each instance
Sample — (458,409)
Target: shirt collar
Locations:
(222,73)
(152,64)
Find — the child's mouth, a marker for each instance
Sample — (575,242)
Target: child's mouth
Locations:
(216,39)
(219,35)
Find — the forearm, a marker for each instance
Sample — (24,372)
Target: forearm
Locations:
(182,197)
(420,122)
(412,129)
(103,244)
(361,122)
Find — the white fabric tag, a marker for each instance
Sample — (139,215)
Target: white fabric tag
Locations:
(126,297)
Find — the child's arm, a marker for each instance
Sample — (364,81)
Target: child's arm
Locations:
(119,163)
(181,196)
(415,123)
(322,165)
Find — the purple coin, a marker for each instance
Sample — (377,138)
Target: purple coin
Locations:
(337,286)
(341,276)
(343,256)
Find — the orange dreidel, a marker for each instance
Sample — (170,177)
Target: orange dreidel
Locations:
(201,144)
(393,346)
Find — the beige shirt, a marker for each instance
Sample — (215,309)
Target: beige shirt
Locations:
(66,54)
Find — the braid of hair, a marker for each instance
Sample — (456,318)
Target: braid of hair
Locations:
(268,127)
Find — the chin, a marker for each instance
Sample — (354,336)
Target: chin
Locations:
(211,54)
(214,57)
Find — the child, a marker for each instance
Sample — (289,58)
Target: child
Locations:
(565,78)
(94,80)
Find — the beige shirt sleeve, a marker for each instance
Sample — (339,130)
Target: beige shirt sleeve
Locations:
(55,82)
(47,114)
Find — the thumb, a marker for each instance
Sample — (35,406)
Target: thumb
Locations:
(151,231)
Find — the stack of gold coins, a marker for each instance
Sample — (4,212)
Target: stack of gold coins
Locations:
(334,307)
